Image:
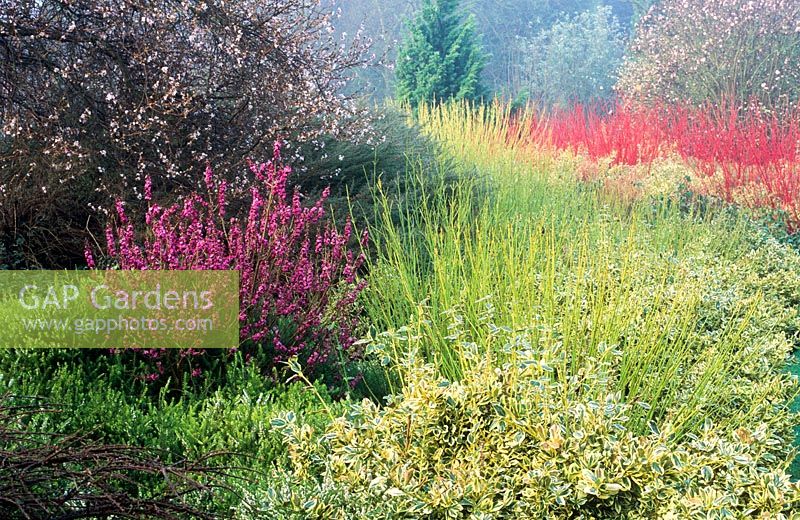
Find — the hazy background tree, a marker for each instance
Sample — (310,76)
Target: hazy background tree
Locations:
(442,57)
(575,60)
(501,25)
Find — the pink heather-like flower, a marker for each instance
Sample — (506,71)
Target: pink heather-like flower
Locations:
(208,177)
(298,277)
(148,188)
(110,241)
(221,202)
(87,251)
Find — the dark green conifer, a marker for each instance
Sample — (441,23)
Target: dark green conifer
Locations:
(442,57)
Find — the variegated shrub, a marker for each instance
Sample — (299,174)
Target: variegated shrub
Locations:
(517,438)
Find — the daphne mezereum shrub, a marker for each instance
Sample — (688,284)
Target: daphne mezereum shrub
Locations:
(711,50)
(298,272)
(516,439)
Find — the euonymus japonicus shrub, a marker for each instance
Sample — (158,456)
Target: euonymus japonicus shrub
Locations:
(531,431)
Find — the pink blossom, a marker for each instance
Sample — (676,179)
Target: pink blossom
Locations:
(148,188)
(296,271)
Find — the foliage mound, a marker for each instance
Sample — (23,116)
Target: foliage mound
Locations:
(350,170)
(517,437)
(746,157)
(699,297)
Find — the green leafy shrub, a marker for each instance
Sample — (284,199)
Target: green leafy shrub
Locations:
(516,438)
(701,302)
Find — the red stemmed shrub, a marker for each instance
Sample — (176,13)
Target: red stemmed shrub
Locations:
(741,154)
(298,284)
(608,129)
(749,151)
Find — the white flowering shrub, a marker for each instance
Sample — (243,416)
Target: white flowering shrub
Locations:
(574,60)
(712,50)
(95,94)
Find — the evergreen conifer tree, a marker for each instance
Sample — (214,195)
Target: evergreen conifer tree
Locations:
(442,57)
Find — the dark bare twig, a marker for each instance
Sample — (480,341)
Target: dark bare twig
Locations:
(46,475)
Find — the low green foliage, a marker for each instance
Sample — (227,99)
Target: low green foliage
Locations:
(571,354)
(96,399)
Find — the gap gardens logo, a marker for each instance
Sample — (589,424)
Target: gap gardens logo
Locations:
(119,309)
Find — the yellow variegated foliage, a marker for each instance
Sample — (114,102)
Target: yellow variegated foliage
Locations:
(519,439)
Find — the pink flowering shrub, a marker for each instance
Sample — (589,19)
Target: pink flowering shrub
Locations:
(298,285)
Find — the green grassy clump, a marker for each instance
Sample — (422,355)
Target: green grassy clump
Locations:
(701,301)
(348,169)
